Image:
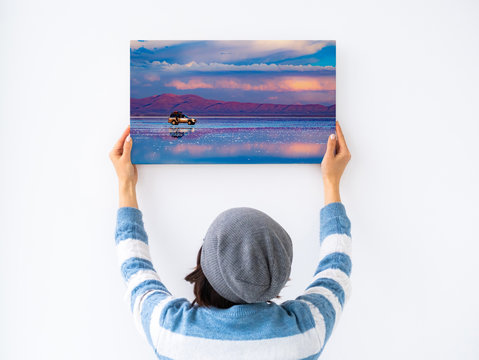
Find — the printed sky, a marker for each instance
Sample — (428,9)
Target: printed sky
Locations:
(260,71)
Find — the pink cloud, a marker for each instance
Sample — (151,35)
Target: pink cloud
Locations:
(290,83)
(152,77)
(300,149)
(286,150)
(191,84)
(191,148)
(305,83)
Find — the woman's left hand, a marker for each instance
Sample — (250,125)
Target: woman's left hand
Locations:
(120,157)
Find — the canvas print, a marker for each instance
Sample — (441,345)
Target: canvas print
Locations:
(238,101)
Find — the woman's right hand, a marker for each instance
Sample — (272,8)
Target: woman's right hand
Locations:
(334,162)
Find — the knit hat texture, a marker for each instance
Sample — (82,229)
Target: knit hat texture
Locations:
(246,255)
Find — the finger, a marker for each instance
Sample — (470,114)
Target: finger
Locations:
(127,148)
(118,148)
(331,147)
(342,142)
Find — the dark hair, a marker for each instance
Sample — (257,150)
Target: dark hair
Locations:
(205,295)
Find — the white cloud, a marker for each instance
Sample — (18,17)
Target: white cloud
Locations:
(214,67)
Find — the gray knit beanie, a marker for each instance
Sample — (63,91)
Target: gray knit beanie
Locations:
(246,255)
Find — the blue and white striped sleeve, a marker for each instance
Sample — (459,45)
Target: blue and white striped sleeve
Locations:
(331,286)
(145,292)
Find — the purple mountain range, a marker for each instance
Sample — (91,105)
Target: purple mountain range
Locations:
(194,105)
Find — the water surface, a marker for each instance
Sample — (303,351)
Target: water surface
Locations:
(230,140)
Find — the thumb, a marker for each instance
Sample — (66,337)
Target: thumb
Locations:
(331,148)
(127,145)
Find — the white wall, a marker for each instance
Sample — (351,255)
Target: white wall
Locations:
(407,89)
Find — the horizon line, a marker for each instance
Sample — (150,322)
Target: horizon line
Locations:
(244,102)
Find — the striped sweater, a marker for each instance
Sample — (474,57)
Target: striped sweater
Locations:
(294,329)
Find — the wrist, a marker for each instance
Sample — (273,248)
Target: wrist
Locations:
(331,192)
(331,184)
(127,185)
(128,194)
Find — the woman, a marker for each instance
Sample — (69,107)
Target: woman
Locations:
(244,262)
